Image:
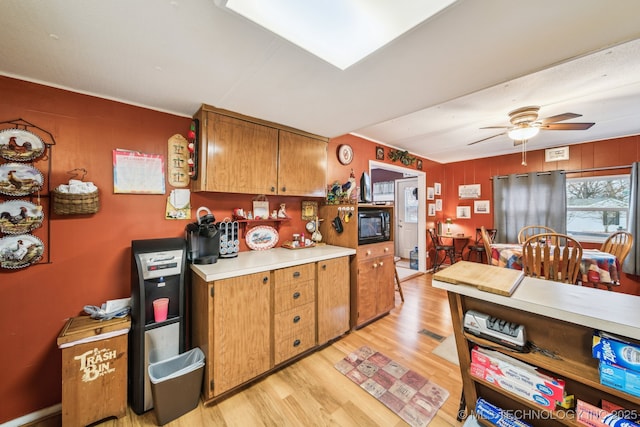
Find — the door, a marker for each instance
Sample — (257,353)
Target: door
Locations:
(406,216)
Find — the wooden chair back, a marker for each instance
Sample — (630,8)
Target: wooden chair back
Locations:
(618,244)
(530,230)
(486,241)
(559,262)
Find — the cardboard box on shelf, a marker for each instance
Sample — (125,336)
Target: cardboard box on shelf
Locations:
(616,350)
(620,378)
(590,415)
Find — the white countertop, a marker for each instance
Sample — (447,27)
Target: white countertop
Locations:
(258,261)
(613,312)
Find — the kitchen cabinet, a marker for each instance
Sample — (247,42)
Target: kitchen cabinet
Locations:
(374,293)
(232,326)
(333,298)
(249,324)
(294,323)
(371,271)
(242,154)
(557,318)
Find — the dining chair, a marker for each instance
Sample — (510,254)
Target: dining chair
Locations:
(559,262)
(618,244)
(440,247)
(478,248)
(529,230)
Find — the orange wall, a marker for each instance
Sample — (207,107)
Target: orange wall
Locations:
(90,254)
(90,257)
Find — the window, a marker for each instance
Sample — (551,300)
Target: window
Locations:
(597,206)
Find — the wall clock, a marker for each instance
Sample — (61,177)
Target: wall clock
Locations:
(345,154)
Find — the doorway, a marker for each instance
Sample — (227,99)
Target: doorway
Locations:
(422,207)
(406,213)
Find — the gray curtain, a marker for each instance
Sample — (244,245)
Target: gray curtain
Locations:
(632,263)
(536,198)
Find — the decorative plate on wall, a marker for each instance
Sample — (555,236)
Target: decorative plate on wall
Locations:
(20,145)
(20,216)
(345,154)
(20,251)
(17,179)
(261,237)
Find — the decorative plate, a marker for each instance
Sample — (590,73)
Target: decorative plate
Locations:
(18,179)
(261,237)
(20,145)
(20,216)
(345,154)
(20,251)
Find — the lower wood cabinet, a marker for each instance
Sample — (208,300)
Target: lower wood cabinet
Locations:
(374,292)
(248,325)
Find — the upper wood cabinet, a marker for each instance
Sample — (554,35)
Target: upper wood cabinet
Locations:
(241,154)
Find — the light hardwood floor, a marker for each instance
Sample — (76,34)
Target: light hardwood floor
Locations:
(312,392)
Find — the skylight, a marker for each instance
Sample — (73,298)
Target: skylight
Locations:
(341,32)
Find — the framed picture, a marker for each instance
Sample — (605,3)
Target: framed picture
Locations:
(469,191)
(438,205)
(430,193)
(379,153)
(309,210)
(431,209)
(481,206)
(463,212)
(437,188)
(419,164)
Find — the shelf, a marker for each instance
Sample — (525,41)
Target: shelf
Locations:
(249,223)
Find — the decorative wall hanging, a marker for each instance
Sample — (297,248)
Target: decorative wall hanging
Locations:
(20,145)
(20,251)
(379,153)
(481,206)
(309,210)
(177,161)
(469,191)
(403,156)
(193,137)
(345,154)
(137,173)
(20,216)
(19,179)
(77,197)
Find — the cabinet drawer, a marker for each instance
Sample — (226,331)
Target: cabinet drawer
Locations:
(291,346)
(291,322)
(293,295)
(374,250)
(299,273)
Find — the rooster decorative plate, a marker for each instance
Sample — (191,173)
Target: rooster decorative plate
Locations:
(261,237)
(20,251)
(20,216)
(20,145)
(17,179)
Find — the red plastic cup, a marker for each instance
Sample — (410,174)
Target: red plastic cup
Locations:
(160,309)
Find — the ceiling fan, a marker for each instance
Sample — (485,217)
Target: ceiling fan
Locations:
(525,124)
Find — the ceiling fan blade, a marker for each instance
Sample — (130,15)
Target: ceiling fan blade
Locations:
(496,127)
(559,118)
(567,126)
(484,139)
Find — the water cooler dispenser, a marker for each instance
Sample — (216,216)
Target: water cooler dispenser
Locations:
(157,272)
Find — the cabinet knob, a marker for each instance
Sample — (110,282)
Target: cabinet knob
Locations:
(273,189)
(324,266)
(265,279)
(386,249)
(296,295)
(368,252)
(284,189)
(296,319)
(381,263)
(296,343)
(375,265)
(296,274)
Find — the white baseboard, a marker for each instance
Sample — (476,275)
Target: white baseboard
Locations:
(34,416)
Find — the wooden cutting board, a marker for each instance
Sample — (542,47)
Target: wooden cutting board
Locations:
(498,280)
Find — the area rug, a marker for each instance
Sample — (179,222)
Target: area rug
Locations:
(447,350)
(412,397)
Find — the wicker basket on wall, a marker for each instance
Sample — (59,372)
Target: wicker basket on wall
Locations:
(75,204)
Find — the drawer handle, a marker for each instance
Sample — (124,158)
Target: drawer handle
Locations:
(296,343)
(265,279)
(296,274)
(296,319)
(296,295)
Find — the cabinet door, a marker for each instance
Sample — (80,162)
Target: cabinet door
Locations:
(241,330)
(241,156)
(366,292)
(333,298)
(302,165)
(386,286)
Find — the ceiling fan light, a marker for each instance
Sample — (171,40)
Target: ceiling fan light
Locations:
(523,133)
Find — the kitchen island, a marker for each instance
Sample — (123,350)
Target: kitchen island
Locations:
(262,310)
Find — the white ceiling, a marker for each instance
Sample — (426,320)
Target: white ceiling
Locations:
(428,92)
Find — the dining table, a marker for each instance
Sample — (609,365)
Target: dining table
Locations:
(459,242)
(596,267)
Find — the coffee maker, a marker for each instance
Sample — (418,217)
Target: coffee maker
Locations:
(203,239)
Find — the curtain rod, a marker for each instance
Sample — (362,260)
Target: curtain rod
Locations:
(566,172)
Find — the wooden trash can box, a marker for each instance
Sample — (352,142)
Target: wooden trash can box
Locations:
(94,369)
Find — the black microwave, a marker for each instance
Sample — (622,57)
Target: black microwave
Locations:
(374,225)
